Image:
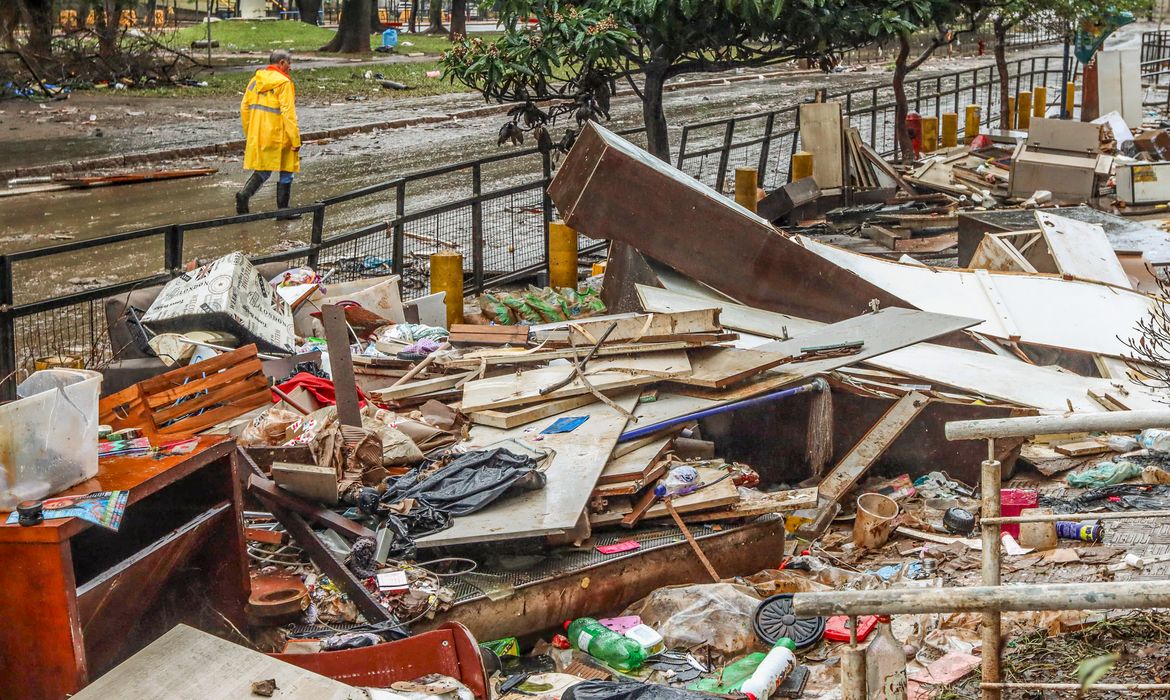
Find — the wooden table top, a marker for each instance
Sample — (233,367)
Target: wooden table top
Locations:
(141,475)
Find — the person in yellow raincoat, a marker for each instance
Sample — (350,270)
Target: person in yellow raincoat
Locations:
(269,115)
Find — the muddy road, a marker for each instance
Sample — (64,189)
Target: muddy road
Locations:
(329,168)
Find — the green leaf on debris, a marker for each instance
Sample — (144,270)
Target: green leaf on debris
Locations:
(1094,669)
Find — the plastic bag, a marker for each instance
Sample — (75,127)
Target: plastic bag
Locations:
(718,614)
(496,310)
(521,310)
(629,690)
(550,305)
(1104,474)
(269,429)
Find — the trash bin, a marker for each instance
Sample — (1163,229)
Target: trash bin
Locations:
(390,38)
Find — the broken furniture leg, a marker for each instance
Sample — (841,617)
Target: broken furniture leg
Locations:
(859,459)
(691,540)
(304,536)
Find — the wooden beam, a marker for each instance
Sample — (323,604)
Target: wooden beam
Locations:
(341,365)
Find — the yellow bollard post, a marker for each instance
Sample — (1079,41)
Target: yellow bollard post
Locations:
(971,126)
(562,255)
(1039,101)
(746,184)
(802,165)
(950,129)
(929,134)
(1070,98)
(447,276)
(1011,114)
(1023,110)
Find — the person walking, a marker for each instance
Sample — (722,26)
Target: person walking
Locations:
(269,115)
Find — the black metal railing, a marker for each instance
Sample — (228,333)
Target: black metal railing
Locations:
(494,210)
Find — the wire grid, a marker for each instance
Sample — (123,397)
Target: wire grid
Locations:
(571,560)
(76,330)
(513,233)
(450,230)
(367,256)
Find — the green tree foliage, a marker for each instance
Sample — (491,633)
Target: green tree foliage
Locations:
(571,59)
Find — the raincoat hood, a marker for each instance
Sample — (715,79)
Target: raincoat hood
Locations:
(268,79)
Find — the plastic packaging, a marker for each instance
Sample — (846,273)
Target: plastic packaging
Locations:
(648,637)
(1123,443)
(772,671)
(49,436)
(885,665)
(717,614)
(732,676)
(1155,439)
(1011,503)
(680,480)
(600,642)
(628,690)
(1104,474)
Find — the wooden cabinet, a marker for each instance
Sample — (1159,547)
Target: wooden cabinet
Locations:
(76,599)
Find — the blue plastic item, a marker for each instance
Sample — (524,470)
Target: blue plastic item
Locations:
(390,38)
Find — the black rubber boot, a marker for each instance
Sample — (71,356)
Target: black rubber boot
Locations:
(245,194)
(283,195)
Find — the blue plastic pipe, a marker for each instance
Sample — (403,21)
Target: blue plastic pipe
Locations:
(817,384)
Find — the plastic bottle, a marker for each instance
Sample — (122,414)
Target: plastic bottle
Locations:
(885,665)
(680,480)
(1155,440)
(772,671)
(600,642)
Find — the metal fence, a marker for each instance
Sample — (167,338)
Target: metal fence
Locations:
(494,210)
(711,151)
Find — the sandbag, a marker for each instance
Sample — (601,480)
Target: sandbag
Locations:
(629,690)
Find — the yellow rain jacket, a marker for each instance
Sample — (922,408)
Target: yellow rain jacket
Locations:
(269,116)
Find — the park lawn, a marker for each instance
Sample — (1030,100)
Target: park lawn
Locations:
(266,35)
(334,82)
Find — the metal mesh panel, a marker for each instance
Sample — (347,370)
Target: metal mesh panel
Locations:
(568,560)
(513,233)
(75,330)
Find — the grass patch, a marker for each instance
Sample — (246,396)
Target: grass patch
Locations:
(336,82)
(264,36)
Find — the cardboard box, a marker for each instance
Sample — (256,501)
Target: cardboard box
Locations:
(1143,183)
(1156,143)
(1070,178)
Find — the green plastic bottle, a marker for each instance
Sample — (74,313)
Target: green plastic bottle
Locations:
(602,643)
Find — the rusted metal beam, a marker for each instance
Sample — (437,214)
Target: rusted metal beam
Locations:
(1053,517)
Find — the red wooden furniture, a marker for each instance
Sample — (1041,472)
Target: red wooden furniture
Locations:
(450,650)
(76,599)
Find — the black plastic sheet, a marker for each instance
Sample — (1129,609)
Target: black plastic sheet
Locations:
(629,690)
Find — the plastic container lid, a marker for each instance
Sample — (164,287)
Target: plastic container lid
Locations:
(775,619)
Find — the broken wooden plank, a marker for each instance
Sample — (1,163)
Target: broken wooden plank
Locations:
(420,388)
(1082,250)
(821,134)
(716,496)
(519,356)
(580,456)
(606,374)
(635,465)
(778,502)
(488,335)
(638,328)
(527,414)
(718,368)
(871,446)
(1081,448)
(341,365)
(310,481)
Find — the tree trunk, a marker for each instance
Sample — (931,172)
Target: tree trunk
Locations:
(375,23)
(353,33)
(653,115)
(309,10)
(458,19)
(38,17)
(1001,67)
(437,18)
(901,104)
(107,27)
(412,25)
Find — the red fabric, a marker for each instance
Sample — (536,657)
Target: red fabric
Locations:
(278,69)
(321,389)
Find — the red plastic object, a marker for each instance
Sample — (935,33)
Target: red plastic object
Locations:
(837,627)
(560,641)
(1011,503)
(450,650)
(914,125)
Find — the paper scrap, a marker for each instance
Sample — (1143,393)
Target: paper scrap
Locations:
(103,508)
(564,425)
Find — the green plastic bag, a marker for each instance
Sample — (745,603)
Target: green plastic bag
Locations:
(496,310)
(521,310)
(1104,474)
